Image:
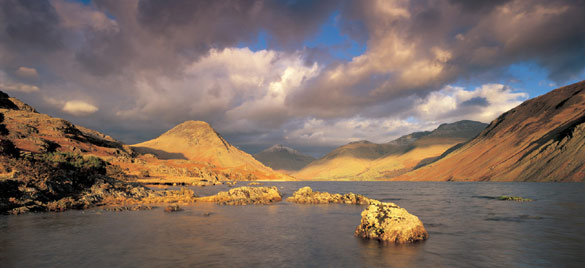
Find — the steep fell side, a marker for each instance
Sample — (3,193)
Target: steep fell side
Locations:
(543,139)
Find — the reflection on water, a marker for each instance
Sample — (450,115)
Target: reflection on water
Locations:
(465,231)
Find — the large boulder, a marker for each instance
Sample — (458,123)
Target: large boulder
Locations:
(306,195)
(245,196)
(390,223)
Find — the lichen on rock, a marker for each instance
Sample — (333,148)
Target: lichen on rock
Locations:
(306,195)
(390,223)
(245,196)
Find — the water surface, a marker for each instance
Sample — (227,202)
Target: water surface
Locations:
(467,227)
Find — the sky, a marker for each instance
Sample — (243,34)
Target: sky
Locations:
(312,75)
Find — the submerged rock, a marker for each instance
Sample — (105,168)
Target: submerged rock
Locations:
(173,208)
(390,223)
(245,196)
(306,195)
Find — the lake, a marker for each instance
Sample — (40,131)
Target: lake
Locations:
(467,228)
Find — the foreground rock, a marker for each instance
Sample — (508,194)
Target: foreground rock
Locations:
(390,223)
(306,195)
(245,196)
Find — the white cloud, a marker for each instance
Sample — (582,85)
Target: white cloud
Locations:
(79,108)
(484,103)
(239,89)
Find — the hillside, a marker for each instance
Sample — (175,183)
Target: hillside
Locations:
(282,158)
(543,139)
(365,160)
(197,142)
(35,132)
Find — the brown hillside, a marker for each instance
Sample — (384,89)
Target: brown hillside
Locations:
(543,139)
(35,132)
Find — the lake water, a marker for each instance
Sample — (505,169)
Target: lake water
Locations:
(467,229)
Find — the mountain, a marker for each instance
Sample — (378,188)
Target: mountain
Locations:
(198,142)
(364,160)
(35,132)
(280,157)
(543,139)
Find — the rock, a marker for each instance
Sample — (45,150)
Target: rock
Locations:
(255,183)
(306,195)
(173,208)
(514,198)
(245,196)
(128,208)
(390,223)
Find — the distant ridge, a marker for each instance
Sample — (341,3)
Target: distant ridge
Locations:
(364,160)
(542,139)
(280,157)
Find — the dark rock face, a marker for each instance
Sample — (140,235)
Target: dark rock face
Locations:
(306,195)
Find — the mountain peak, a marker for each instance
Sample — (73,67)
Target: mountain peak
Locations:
(281,148)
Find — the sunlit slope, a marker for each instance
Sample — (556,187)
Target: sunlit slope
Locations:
(34,132)
(543,139)
(198,142)
(369,161)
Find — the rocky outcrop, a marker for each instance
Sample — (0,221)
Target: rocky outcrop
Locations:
(245,196)
(390,223)
(306,195)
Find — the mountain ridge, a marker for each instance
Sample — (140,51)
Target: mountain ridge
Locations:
(365,160)
(284,159)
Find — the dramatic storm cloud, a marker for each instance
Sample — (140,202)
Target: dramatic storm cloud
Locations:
(265,72)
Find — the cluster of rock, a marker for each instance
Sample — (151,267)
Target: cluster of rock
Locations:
(306,195)
(245,196)
(390,223)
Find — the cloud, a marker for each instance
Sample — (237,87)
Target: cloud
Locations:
(8,84)
(26,72)
(482,104)
(415,49)
(149,65)
(79,108)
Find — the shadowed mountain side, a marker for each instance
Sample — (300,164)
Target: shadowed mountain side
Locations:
(365,160)
(198,142)
(543,139)
(160,154)
(282,158)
